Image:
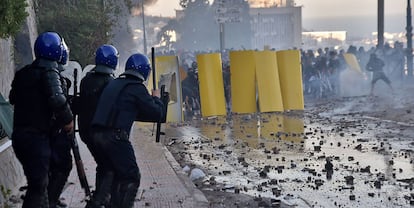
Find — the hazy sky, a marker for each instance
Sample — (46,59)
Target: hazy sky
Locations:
(329,8)
(311,8)
(329,15)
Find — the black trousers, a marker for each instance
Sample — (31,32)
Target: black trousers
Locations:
(115,155)
(34,152)
(60,166)
(115,152)
(61,157)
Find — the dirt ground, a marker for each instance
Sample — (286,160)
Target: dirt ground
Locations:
(368,139)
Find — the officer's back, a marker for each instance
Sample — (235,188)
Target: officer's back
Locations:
(92,85)
(123,101)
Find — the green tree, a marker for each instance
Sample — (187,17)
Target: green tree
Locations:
(84,24)
(12,15)
(165,35)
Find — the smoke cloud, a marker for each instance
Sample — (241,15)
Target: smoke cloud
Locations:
(136,6)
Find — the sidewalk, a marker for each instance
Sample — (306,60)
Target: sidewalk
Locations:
(163,183)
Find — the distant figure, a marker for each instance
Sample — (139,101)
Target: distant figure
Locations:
(227,85)
(376,65)
(191,93)
(328,169)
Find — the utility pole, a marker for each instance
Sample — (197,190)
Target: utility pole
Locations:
(228,11)
(380,22)
(143,27)
(409,36)
(221,24)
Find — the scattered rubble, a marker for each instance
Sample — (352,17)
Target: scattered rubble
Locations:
(322,157)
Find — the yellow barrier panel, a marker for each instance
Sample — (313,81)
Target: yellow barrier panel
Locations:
(268,85)
(210,79)
(168,65)
(243,82)
(290,75)
(352,62)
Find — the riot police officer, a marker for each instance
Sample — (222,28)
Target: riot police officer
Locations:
(60,142)
(122,102)
(38,98)
(91,87)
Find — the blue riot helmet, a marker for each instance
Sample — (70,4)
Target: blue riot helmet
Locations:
(138,65)
(48,45)
(107,55)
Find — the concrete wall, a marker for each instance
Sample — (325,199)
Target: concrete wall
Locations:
(22,43)
(6,66)
(11,172)
(14,53)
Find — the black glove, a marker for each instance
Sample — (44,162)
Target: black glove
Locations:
(165,98)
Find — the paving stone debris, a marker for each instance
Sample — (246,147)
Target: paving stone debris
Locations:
(345,152)
(278,159)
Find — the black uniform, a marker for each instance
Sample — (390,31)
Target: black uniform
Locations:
(61,158)
(376,65)
(191,94)
(123,101)
(37,97)
(91,88)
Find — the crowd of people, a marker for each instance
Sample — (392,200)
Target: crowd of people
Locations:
(321,71)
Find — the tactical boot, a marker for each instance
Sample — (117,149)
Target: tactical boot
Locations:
(128,191)
(35,199)
(61,204)
(103,189)
(115,194)
(57,181)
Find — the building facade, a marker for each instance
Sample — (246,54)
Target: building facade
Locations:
(278,28)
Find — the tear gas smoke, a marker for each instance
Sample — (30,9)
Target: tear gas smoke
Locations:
(136,6)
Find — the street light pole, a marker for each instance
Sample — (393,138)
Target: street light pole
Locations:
(380,22)
(143,27)
(409,36)
(221,24)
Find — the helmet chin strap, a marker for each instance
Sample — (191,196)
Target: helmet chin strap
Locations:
(141,77)
(135,74)
(145,82)
(104,69)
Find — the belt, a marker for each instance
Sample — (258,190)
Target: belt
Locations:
(118,134)
(121,134)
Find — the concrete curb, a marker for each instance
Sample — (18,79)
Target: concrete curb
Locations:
(201,200)
(198,196)
(163,183)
